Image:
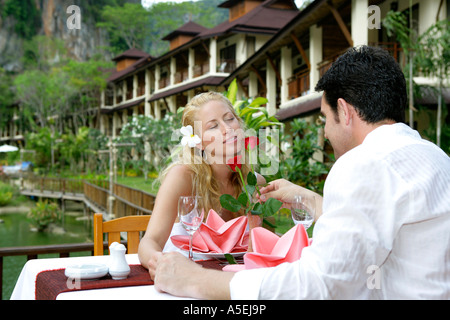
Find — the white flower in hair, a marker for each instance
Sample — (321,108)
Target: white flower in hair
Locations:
(189,138)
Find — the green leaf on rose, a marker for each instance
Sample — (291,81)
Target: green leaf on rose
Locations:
(230,258)
(243,199)
(251,179)
(257,209)
(229,203)
(271,206)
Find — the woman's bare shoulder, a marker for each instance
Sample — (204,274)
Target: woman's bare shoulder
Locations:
(179,175)
(180,170)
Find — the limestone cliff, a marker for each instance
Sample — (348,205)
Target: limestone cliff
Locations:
(81,43)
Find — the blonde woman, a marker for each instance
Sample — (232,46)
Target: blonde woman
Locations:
(201,169)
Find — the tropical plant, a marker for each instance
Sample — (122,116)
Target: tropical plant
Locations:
(42,142)
(259,123)
(6,194)
(428,55)
(140,131)
(251,111)
(298,164)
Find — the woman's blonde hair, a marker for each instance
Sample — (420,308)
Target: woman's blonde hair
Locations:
(203,181)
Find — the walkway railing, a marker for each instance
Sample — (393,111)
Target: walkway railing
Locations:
(95,194)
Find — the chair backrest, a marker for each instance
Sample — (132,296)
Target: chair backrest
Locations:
(130,224)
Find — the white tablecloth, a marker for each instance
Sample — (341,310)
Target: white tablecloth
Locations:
(26,284)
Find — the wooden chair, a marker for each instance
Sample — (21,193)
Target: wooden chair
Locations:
(130,224)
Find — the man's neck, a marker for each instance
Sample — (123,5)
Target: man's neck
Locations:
(366,128)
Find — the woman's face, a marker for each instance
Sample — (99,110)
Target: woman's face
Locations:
(222,135)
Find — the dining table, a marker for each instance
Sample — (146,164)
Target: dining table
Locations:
(45,279)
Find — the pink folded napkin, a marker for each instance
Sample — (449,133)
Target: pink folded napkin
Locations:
(270,250)
(217,236)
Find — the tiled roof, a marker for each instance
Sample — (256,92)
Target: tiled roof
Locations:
(131,53)
(190,28)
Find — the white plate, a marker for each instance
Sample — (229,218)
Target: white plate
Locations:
(210,255)
(86,271)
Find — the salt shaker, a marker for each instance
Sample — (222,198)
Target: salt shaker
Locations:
(118,266)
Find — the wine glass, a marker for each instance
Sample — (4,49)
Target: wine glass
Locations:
(303,209)
(190,214)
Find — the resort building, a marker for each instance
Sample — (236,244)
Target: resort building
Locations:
(270,47)
(199,60)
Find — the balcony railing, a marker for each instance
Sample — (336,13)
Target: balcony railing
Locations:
(140,91)
(226,65)
(392,47)
(164,82)
(299,85)
(201,69)
(181,76)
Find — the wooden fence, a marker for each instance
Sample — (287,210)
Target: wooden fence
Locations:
(95,193)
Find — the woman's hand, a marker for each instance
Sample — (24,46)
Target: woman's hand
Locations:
(153,263)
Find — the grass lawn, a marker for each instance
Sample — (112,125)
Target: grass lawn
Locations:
(139,183)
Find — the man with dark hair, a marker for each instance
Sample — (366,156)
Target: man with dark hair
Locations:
(370,80)
(383,231)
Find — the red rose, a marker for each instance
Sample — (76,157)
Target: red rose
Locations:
(235,162)
(251,142)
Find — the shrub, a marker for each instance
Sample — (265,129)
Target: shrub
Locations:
(6,194)
(44,214)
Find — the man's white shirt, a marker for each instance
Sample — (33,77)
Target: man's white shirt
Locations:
(384,232)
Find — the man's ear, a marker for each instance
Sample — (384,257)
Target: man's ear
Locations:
(345,110)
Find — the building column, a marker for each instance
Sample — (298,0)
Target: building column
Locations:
(252,85)
(115,122)
(114,94)
(360,30)
(147,105)
(135,85)
(172,102)
(157,110)
(315,54)
(213,57)
(271,82)
(191,63)
(173,70)
(286,72)
(157,76)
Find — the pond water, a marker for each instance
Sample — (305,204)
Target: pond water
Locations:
(16,231)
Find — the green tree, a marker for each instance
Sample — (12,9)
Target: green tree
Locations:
(42,141)
(433,60)
(87,79)
(429,55)
(298,164)
(26,14)
(127,25)
(74,148)
(6,98)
